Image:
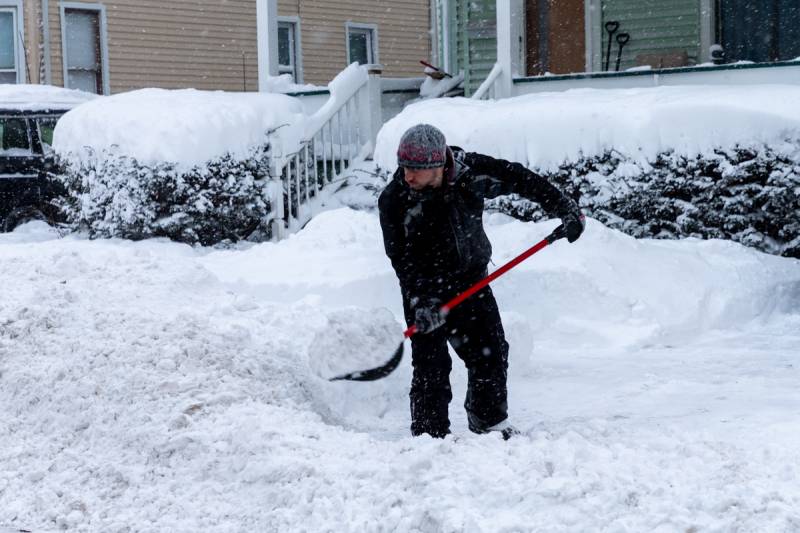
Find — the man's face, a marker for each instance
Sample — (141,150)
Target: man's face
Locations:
(419,178)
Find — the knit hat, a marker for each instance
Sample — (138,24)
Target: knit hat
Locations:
(422,146)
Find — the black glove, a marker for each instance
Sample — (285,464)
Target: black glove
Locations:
(427,314)
(574,223)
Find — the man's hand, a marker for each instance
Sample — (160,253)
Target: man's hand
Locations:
(574,223)
(427,315)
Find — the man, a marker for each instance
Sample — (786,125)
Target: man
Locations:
(431,217)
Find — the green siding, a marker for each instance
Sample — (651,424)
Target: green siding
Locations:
(475,40)
(655,26)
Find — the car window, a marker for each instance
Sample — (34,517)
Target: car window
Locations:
(46,127)
(16,140)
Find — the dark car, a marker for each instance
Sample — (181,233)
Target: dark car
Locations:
(28,116)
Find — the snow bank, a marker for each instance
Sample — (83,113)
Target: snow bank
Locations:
(152,386)
(545,130)
(40,97)
(185,127)
(648,289)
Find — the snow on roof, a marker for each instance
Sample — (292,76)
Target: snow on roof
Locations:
(40,97)
(184,127)
(546,129)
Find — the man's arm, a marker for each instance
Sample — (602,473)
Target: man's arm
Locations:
(498,177)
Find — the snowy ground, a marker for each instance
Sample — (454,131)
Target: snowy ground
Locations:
(154,387)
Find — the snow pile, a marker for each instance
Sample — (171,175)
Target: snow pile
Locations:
(190,165)
(545,130)
(193,395)
(40,97)
(665,162)
(185,128)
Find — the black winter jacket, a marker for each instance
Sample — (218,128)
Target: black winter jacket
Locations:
(435,238)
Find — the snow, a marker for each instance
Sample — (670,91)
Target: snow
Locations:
(546,129)
(285,84)
(183,127)
(151,386)
(40,97)
(341,88)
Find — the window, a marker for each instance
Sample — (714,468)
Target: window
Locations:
(759,31)
(8,47)
(14,136)
(362,43)
(288,45)
(46,127)
(83,42)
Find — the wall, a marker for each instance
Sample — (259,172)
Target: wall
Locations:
(203,44)
(403,34)
(555,39)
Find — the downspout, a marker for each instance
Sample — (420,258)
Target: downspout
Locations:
(46,42)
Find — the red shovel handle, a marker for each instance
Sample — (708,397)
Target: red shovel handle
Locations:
(558,233)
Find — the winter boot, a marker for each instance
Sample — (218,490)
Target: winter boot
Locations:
(505,429)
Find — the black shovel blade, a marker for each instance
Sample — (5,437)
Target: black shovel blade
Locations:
(374,374)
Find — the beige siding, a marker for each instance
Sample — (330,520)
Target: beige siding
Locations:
(32,37)
(403,34)
(211,44)
(205,44)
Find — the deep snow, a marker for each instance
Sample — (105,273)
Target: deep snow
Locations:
(545,130)
(184,127)
(25,97)
(151,386)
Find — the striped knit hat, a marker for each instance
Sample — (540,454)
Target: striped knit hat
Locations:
(422,146)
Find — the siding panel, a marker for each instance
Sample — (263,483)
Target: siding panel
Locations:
(655,27)
(208,44)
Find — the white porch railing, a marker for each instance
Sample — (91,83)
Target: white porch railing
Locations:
(488,89)
(339,133)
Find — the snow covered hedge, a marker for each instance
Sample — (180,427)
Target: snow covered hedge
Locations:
(745,195)
(115,195)
(665,162)
(190,165)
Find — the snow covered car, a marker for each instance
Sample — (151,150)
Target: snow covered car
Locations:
(28,116)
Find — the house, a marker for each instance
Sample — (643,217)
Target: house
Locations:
(111,46)
(539,38)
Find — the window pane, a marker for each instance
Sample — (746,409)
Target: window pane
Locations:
(15,137)
(85,80)
(284,46)
(46,128)
(358,47)
(83,43)
(7,40)
(8,77)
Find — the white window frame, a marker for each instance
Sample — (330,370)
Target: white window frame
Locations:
(372,31)
(297,48)
(101,15)
(15,8)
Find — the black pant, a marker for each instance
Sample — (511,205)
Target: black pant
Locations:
(476,334)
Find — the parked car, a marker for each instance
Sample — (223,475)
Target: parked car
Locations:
(28,116)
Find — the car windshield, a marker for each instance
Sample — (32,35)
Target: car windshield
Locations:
(15,137)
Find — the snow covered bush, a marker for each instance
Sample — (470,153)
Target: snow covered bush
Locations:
(717,161)
(742,194)
(113,195)
(193,166)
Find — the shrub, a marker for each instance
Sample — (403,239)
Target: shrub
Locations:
(746,195)
(113,195)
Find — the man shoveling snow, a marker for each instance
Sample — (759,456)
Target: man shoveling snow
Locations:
(431,215)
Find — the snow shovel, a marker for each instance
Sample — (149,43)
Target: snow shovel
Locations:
(382,371)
